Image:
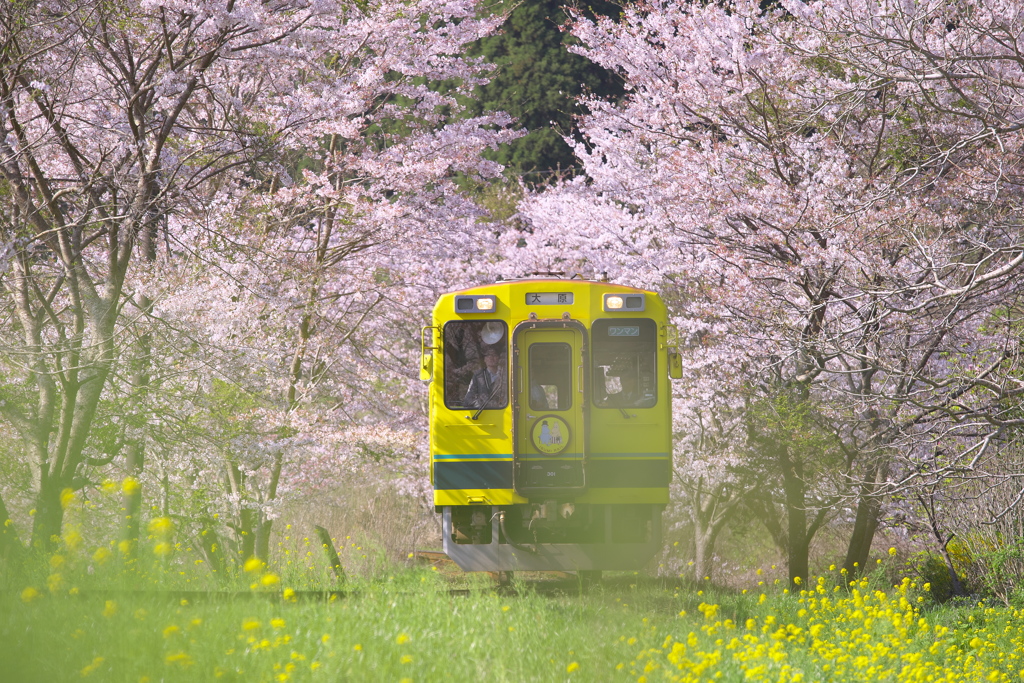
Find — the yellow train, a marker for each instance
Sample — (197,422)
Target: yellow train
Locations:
(550,424)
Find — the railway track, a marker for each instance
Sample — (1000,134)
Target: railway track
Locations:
(544,582)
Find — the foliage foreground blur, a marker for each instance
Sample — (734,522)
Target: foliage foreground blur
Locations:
(96,614)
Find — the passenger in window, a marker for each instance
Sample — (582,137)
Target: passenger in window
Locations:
(487,389)
(464,352)
(629,396)
(538,397)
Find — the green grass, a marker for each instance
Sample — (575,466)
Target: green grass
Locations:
(89,612)
(411,626)
(406,626)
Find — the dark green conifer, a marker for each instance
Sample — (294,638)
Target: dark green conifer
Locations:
(536,81)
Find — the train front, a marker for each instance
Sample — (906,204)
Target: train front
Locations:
(550,424)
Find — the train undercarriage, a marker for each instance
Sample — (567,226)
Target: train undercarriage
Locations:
(551,535)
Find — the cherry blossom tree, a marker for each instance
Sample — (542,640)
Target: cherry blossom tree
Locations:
(829,194)
(144,140)
(323,341)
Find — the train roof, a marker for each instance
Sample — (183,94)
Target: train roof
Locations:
(553,281)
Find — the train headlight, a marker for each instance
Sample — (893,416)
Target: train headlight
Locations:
(624,302)
(475,304)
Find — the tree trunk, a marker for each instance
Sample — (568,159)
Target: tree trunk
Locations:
(710,510)
(212,547)
(247,535)
(136,454)
(262,543)
(136,451)
(956,586)
(798,546)
(864,527)
(49,515)
(704,551)
(131,500)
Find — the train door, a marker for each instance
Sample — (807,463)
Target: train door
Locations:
(550,417)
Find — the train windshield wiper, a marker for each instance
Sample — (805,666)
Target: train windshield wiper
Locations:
(476,415)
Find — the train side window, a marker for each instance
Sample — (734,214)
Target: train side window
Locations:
(625,359)
(475,364)
(550,376)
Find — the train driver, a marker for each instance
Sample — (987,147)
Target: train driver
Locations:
(488,387)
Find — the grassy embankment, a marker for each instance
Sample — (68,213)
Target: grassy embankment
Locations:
(81,615)
(90,611)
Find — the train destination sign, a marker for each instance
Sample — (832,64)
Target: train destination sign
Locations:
(548,298)
(623,330)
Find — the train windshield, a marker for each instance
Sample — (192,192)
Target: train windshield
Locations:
(624,363)
(475,364)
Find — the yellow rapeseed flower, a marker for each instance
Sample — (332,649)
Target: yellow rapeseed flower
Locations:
(72,539)
(277,623)
(130,485)
(179,658)
(101,555)
(161,526)
(573,666)
(402,639)
(163,549)
(171,630)
(709,611)
(67,497)
(30,594)
(253,564)
(57,561)
(89,668)
(270,579)
(109,608)
(250,624)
